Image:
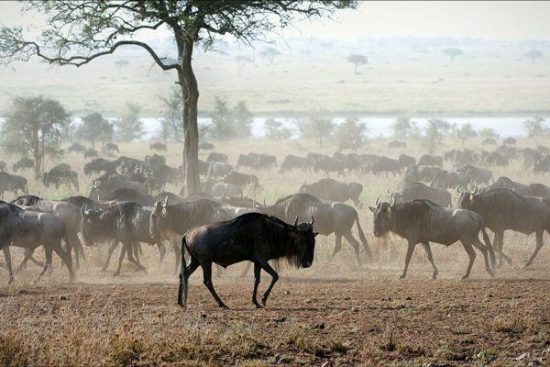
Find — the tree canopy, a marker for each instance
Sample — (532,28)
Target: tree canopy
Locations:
(78,32)
(95,127)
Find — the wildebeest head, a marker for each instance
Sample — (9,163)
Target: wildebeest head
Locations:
(159,211)
(382,218)
(304,239)
(467,198)
(91,226)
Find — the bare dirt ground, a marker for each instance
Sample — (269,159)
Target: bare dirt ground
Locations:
(332,314)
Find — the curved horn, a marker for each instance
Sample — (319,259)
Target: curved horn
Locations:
(392,199)
(265,206)
(165,202)
(475,189)
(378,200)
(295,221)
(254,204)
(312,221)
(458,189)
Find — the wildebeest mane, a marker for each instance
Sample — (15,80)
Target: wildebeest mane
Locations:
(186,215)
(288,204)
(413,214)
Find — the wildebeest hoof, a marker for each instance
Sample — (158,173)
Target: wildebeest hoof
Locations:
(465,277)
(257,305)
(434,276)
(222,305)
(402,276)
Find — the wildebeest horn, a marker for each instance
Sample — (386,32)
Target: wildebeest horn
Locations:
(458,189)
(378,200)
(254,204)
(475,189)
(296,221)
(312,221)
(392,199)
(265,206)
(165,202)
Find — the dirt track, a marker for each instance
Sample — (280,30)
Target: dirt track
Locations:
(369,318)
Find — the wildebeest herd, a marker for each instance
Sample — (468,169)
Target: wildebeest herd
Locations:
(127,204)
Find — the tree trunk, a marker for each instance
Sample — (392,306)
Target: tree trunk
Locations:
(190,93)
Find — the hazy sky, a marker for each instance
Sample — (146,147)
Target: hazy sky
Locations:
(490,20)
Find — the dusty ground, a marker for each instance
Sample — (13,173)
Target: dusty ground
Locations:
(331,314)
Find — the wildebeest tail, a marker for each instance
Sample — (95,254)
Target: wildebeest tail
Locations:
(487,242)
(182,293)
(362,236)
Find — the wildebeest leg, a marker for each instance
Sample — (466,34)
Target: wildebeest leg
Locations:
(257,271)
(428,250)
(7,256)
(47,264)
(539,235)
(207,280)
(126,247)
(355,244)
(23,265)
(274,278)
(135,260)
(499,238)
(162,251)
(337,244)
(471,254)
(109,254)
(177,250)
(410,251)
(65,257)
(481,247)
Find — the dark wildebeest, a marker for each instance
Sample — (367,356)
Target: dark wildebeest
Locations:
(218,169)
(220,188)
(329,189)
(169,220)
(13,183)
(84,203)
(430,160)
(127,194)
(217,157)
(387,165)
(99,165)
(251,237)
(91,153)
(331,217)
(104,185)
(291,162)
(506,183)
(29,229)
(159,147)
(421,221)
(538,189)
(328,165)
(475,175)
(445,179)
(77,148)
(61,174)
(420,173)
(111,148)
(497,159)
(26,200)
(504,209)
(23,163)
(406,160)
(206,146)
(242,180)
(418,191)
(125,222)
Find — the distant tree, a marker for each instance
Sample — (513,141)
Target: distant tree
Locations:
(242,120)
(351,134)
(222,127)
(275,130)
(357,60)
(535,128)
(452,52)
(317,126)
(464,132)
(402,127)
(121,63)
(171,122)
(95,128)
(434,133)
(270,54)
(534,55)
(129,126)
(488,133)
(35,126)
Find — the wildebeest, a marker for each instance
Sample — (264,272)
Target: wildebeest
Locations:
(387,165)
(3,166)
(291,162)
(206,146)
(418,190)
(13,183)
(421,221)
(76,147)
(61,174)
(251,237)
(497,159)
(406,160)
(125,222)
(168,220)
(538,189)
(29,229)
(475,175)
(128,194)
(506,183)
(220,188)
(328,165)
(217,157)
(23,163)
(330,189)
(331,217)
(91,153)
(430,160)
(218,169)
(504,209)
(105,184)
(99,165)
(420,173)
(159,147)
(242,180)
(111,148)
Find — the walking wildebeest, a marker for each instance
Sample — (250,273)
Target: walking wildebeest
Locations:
(23,163)
(330,189)
(29,229)
(331,217)
(125,222)
(418,190)
(159,147)
(61,174)
(504,209)
(13,183)
(169,220)
(421,221)
(250,237)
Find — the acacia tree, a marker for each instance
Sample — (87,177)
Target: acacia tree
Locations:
(535,127)
(78,32)
(464,132)
(129,126)
(35,126)
(357,60)
(434,133)
(171,123)
(95,127)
